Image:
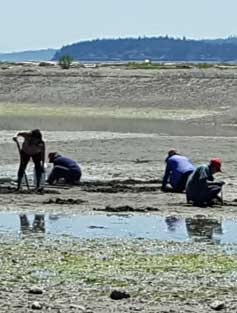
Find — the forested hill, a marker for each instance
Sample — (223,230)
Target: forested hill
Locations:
(155,48)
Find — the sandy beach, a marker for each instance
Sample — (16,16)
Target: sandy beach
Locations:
(118,124)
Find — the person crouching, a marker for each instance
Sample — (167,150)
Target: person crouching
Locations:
(64,168)
(201,189)
(178,168)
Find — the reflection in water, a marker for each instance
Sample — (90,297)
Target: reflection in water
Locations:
(172,223)
(172,228)
(203,229)
(38,225)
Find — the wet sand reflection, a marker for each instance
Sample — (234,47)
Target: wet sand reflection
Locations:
(38,225)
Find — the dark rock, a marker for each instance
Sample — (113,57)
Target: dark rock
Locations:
(118,295)
(36,305)
(217,305)
(35,290)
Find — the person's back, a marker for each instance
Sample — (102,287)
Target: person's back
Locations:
(33,142)
(178,165)
(178,168)
(197,181)
(66,162)
(64,168)
(32,147)
(200,188)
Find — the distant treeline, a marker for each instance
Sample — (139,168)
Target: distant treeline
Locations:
(155,48)
(26,56)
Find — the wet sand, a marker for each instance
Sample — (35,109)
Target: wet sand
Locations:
(116,157)
(119,125)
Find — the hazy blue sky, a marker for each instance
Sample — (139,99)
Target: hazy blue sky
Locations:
(35,24)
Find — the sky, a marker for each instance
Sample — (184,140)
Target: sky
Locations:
(42,24)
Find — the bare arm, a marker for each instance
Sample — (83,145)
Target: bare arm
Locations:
(43,153)
(166,175)
(23,134)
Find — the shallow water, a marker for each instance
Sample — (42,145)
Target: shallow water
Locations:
(119,227)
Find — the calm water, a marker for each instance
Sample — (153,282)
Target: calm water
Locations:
(119,226)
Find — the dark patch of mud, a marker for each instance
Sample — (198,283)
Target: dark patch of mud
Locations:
(145,209)
(121,188)
(128,185)
(116,182)
(64,201)
(10,189)
(232,203)
(127,208)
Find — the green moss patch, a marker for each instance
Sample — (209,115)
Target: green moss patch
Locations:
(92,265)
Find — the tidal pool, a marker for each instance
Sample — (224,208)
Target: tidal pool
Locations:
(151,227)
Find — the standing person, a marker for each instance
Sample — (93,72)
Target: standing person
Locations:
(32,147)
(178,169)
(65,168)
(201,188)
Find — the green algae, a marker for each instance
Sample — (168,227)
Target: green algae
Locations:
(119,265)
(22,110)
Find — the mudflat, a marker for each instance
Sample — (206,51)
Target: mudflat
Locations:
(184,101)
(118,124)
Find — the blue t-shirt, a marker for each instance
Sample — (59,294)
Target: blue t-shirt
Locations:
(176,166)
(66,162)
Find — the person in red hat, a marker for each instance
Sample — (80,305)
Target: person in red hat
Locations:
(201,189)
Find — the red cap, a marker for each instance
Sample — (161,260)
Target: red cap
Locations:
(216,163)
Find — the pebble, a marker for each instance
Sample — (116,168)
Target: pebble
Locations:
(35,290)
(36,305)
(217,305)
(118,295)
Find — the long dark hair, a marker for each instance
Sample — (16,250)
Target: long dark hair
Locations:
(36,136)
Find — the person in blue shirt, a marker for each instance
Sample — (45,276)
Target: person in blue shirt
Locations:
(178,169)
(64,168)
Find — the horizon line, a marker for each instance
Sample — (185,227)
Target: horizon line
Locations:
(117,38)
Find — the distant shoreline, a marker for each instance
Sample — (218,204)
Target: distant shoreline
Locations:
(125,62)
